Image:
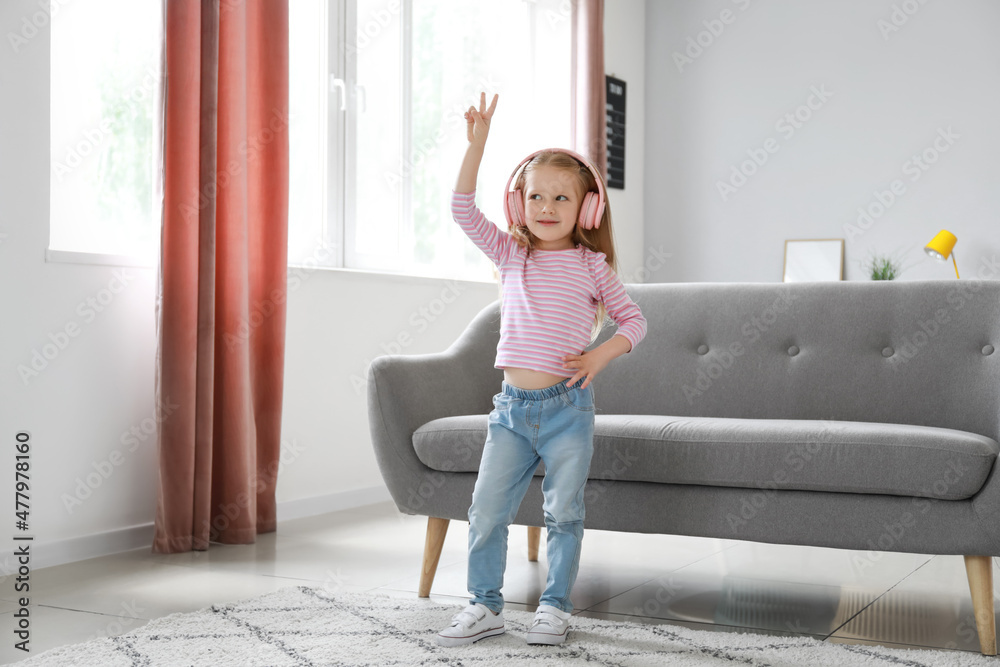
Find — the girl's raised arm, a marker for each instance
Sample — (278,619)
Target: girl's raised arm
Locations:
(478,128)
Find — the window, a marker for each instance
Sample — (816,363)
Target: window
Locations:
(378,89)
(104,78)
(378,92)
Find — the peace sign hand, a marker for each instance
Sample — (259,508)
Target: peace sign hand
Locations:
(478,121)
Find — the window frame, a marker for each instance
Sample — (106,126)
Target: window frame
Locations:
(343,124)
(335,111)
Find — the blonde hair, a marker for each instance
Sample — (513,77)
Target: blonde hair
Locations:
(600,239)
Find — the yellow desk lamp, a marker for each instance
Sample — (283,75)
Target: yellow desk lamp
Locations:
(941,247)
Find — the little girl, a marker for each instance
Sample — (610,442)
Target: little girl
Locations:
(557,279)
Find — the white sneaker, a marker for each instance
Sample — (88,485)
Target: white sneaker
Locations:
(550,626)
(473,623)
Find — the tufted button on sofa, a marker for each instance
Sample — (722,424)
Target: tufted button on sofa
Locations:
(853,415)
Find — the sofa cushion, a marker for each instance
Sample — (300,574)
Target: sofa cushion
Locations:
(811,455)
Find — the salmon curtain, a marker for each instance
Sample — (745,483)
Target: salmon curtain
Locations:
(588,88)
(223,263)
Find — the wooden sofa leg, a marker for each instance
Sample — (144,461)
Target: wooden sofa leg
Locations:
(980,572)
(436,531)
(534,535)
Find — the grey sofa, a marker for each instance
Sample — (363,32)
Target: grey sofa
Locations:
(853,415)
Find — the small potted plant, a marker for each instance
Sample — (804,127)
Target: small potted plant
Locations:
(883,267)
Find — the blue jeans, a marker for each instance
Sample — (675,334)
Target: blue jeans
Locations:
(554,425)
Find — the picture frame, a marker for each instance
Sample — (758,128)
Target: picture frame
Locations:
(813,260)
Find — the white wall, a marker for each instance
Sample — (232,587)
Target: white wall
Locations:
(625,58)
(891,92)
(82,406)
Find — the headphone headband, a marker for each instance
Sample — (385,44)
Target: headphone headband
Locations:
(591,211)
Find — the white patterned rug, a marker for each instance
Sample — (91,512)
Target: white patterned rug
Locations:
(308,626)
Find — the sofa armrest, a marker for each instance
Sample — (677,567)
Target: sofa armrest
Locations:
(407,391)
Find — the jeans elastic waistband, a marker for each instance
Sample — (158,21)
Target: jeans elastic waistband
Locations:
(540,394)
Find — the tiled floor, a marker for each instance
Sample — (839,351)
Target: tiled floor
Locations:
(839,596)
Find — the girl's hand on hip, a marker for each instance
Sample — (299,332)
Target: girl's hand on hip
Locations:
(586,365)
(478,120)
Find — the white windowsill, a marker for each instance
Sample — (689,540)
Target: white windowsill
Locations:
(390,275)
(103,259)
(77,257)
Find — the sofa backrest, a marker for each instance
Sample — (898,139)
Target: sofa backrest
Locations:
(911,352)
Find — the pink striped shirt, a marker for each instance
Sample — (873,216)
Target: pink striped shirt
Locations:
(549,298)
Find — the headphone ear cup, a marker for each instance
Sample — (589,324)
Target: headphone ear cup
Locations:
(515,206)
(590,216)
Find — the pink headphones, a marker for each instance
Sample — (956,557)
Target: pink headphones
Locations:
(591,208)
